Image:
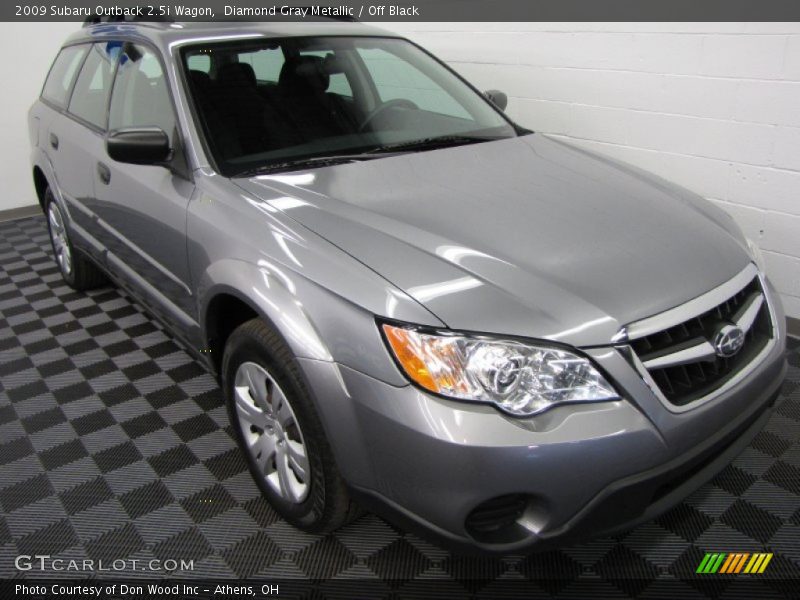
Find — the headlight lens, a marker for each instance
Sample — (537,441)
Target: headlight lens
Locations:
(520,379)
(755,252)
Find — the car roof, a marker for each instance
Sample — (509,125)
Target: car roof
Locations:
(166,35)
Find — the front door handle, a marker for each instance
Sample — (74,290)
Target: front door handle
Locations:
(54,141)
(104,173)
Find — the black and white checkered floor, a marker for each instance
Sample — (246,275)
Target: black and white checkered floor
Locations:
(115,444)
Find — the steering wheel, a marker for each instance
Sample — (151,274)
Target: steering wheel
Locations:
(389,104)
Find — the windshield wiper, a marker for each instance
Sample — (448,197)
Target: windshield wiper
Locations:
(429,143)
(300,163)
(443,141)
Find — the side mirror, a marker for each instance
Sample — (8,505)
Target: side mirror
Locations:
(139,145)
(498,98)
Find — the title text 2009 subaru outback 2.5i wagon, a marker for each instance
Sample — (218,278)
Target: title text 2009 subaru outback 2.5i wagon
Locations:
(411,301)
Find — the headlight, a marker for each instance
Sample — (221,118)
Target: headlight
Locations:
(755,253)
(518,378)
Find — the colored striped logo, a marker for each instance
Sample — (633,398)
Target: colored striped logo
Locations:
(734,563)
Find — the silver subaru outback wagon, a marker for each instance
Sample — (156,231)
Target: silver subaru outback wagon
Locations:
(412,303)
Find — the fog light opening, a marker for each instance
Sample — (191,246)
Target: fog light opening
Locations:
(506,519)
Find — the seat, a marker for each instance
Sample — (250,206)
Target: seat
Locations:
(237,75)
(237,103)
(222,131)
(200,81)
(303,83)
(260,124)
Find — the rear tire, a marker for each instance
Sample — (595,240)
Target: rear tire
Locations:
(78,272)
(280,433)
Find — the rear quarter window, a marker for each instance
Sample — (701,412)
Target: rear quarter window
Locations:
(62,74)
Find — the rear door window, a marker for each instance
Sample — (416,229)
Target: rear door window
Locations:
(62,74)
(90,98)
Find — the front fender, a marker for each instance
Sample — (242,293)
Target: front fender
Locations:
(324,332)
(42,161)
(321,300)
(316,323)
(272,294)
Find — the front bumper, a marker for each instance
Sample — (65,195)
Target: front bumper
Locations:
(580,470)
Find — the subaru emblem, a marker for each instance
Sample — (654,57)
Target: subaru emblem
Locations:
(728,341)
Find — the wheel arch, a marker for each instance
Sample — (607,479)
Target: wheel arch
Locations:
(43,176)
(225,306)
(40,184)
(225,311)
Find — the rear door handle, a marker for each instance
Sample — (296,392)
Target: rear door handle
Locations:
(54,141)
(104,173)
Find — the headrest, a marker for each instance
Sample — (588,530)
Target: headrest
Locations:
(304,72)
(332,64)
(199,78)
(237,74)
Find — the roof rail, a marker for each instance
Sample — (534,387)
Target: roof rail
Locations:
(95,19)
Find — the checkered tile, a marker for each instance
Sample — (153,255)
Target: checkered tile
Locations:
(115,444)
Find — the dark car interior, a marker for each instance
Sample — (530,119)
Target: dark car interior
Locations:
(245,116)
(263,103)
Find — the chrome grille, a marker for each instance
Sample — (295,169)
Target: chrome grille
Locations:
(684,361)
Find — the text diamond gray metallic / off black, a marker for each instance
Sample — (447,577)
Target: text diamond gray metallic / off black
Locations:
(412,303)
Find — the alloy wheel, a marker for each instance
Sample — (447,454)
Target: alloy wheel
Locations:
(271,432)
(58,234)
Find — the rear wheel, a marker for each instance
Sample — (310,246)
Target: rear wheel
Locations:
(280,432)
(78,271)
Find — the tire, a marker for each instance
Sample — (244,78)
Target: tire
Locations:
(78,272)
(260,372)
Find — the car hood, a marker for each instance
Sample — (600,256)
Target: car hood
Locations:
(527,236)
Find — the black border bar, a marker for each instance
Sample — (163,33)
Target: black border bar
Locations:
(420,10)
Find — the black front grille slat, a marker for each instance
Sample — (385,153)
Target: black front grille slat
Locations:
(698,325)
(698,372)
(682,384)
(684,380)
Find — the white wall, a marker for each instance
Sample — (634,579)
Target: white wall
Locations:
(714,107)
(27,49)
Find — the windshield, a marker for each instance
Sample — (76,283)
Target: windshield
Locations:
(265,103)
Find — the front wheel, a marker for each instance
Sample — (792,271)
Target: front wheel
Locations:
(280,432)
